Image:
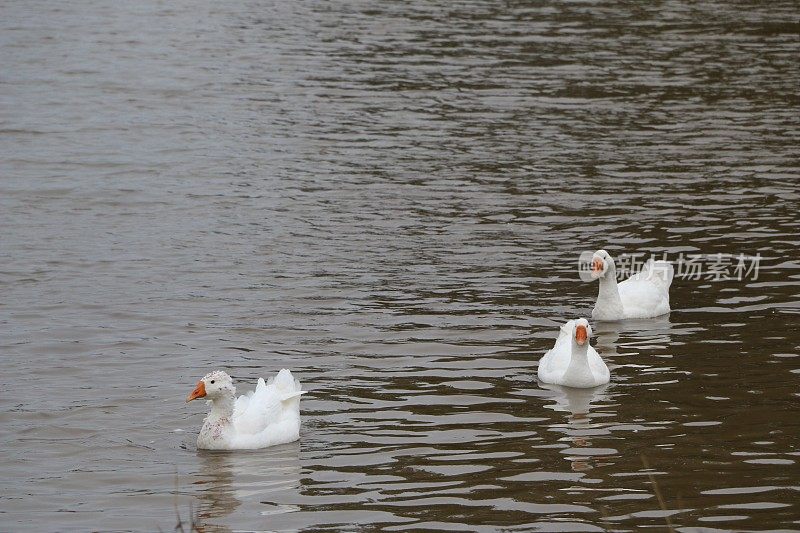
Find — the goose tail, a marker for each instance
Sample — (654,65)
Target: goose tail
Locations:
(287,386)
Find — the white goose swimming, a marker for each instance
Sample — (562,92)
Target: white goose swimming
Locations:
(643,295)
(268,416)
(572,362)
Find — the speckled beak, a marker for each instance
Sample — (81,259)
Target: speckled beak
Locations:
(198,392)
(581,335)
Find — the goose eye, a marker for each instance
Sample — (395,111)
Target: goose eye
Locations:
(212,381)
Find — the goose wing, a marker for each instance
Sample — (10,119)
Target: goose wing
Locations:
(268,404)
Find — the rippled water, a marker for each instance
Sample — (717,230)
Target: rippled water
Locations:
(390,198)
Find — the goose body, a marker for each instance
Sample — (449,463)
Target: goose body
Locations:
(572,362)
(267,416)
(643,295)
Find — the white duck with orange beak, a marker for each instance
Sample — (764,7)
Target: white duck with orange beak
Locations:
(573,362)
(643,295)
(268,416)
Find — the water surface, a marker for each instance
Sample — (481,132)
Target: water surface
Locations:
(390,199)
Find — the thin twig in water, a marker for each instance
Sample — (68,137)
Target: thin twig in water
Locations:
(658,494)
(139,445)
(194,518)
(179,525)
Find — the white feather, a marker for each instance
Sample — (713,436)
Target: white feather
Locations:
(267,416)
(643,295)
(571,365)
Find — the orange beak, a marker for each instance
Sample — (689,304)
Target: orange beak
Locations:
(581,335)
(198,392)
(597,265)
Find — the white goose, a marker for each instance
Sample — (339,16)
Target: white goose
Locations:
(268,416)
(643,295)
(572,362)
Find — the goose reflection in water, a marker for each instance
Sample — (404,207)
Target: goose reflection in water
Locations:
(255,483)
(653,331)
(579,427)
(588,408)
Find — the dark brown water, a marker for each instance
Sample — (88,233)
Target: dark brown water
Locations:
(390,199)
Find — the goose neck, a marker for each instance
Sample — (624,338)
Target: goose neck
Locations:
(608,291)
(578,371)
(221,407)
(580,353)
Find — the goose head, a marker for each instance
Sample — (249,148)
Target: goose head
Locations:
(216,384)
(602,262)
(582,332)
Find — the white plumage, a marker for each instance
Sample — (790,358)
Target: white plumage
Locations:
(643,295)
(268,416)
(573,362)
